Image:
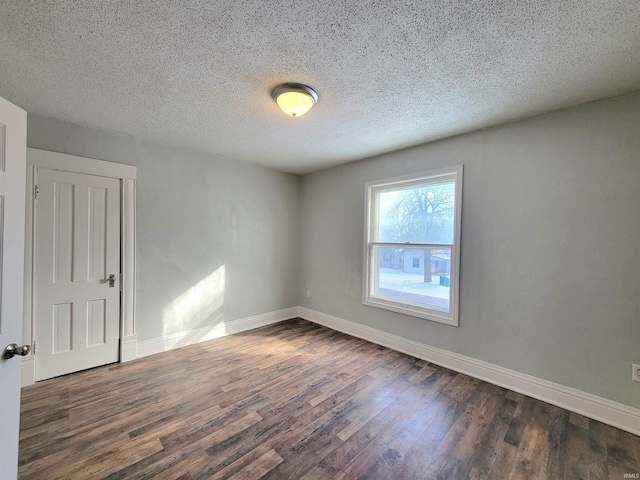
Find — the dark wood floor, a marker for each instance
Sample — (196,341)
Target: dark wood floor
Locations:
(299,401)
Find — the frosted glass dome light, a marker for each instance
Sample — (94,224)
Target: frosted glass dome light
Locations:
(294,99)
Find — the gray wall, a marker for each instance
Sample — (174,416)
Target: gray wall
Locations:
(216,239)
(550,261)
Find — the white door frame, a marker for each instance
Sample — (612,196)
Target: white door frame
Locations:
(127,176)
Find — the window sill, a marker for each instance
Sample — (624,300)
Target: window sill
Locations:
(434,316)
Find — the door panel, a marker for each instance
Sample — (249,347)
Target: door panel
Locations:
(97,227)
(77,236)
(96,323)
(63,222)
(62,328)
(13,147)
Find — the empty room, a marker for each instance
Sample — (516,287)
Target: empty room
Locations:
(320,240)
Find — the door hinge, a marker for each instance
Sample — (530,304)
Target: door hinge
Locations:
(36,191)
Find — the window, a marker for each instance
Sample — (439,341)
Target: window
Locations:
(418,219)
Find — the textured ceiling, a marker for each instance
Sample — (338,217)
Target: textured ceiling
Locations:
(390,74)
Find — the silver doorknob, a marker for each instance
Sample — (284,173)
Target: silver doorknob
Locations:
(112,280)
(13,350)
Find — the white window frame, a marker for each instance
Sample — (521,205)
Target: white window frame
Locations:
(447,174)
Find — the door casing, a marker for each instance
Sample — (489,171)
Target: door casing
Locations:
(127,176)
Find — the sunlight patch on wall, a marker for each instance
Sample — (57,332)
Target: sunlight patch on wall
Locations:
(200,305)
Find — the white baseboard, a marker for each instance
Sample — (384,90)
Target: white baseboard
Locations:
(128,348)
(607,411)
(28,371)
(177,340)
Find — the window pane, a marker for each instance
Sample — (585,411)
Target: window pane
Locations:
(413,276)
(419,214)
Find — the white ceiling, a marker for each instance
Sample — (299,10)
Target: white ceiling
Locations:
(389,73)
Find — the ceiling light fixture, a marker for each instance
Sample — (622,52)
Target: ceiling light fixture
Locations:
(294,99)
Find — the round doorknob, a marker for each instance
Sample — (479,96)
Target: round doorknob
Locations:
(13,349)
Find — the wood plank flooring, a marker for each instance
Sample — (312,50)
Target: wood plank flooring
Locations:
(299,401)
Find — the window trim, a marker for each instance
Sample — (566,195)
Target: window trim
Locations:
(371,188)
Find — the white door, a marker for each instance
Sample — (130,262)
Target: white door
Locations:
(13,149)
(77,272)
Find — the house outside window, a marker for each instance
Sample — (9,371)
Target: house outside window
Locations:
(412,244)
